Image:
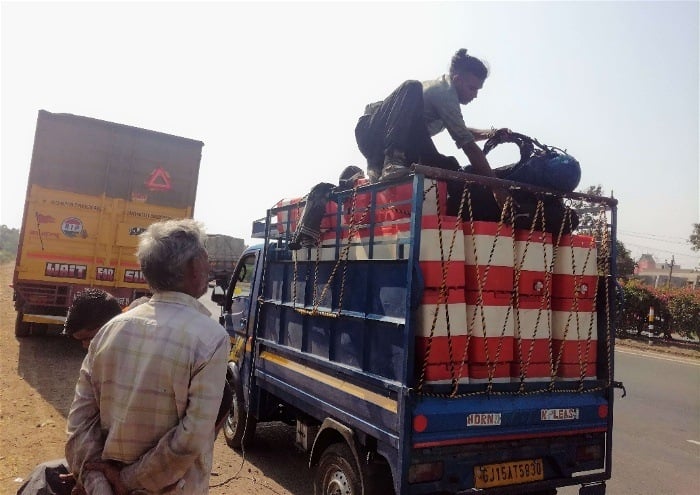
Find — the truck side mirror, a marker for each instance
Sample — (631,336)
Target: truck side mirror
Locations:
(218,295)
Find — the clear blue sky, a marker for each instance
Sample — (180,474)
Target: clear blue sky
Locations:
(274,91)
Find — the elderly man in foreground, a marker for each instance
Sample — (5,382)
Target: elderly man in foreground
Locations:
(151,384)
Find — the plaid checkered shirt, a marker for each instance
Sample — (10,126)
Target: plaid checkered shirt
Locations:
(147,396)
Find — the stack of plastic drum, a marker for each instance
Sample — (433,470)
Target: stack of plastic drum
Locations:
(393,203)
(357,213)
(488,254)
(574,322)
(440,332)
(288,218)
(383,233)
(440,335)
(533,252)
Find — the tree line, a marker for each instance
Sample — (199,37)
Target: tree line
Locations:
(9,239)
(676,310)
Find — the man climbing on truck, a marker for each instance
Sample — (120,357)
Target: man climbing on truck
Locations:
(396,132)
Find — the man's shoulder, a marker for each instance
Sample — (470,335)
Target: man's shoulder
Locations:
(441,84)
(205,327)
(440,93)
(212,325)
(178,314)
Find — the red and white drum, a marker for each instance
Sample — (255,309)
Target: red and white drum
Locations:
(488,256)
(443,353)
(575,267)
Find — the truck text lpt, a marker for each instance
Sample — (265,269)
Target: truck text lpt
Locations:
(93,187)
(419,349)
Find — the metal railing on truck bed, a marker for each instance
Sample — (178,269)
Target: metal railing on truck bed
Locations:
(438,330)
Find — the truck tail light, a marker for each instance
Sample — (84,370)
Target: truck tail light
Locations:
(422,473)
(420,423)
(586,453)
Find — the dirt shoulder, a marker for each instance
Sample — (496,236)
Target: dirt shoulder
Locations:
(660,346)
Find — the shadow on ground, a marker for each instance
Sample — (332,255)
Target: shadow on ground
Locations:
(275,457)
(50,365)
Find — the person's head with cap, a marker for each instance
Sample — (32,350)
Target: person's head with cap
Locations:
(91,309)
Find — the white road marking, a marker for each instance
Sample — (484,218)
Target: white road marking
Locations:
(693,362)
(694,441)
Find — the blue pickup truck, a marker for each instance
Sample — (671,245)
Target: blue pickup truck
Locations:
(420,349)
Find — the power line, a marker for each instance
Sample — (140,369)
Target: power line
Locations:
(657,237)
(653,248)
(650,248)
(692,258)
(665,248)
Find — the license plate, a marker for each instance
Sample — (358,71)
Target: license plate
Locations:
(508,473)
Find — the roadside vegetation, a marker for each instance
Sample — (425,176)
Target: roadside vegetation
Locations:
(675,310)
(9,238)
(694,238)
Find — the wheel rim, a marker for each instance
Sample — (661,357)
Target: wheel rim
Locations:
(338,484)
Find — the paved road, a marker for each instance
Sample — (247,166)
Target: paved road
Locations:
(211,306)
(656,436)
(656,441)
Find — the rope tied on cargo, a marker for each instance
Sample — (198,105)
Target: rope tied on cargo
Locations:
(605,257)
(455,383)
(443,295)
(518,264)
(574,314)
(342,258)
(443,292)
(585,337)
(507,212)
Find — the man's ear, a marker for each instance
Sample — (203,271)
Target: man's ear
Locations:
(189,273)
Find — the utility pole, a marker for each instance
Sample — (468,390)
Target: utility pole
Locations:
(670,272)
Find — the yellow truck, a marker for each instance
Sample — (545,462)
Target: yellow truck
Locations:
(93,187)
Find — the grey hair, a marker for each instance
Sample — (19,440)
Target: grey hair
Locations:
(164,250)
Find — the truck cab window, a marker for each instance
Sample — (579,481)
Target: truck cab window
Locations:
(243,276)
(238,294)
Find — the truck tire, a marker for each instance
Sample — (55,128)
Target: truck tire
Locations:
(239,428)
(337,473)
(22,329)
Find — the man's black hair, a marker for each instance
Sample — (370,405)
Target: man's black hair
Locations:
(91,309)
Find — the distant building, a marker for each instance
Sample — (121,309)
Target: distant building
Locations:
(656,275)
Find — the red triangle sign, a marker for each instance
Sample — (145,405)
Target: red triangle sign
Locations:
(159,180)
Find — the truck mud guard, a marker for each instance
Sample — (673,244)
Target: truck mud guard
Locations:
(325,437)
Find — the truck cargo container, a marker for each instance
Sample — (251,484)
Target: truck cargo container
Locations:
(93,187)
(224,252)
